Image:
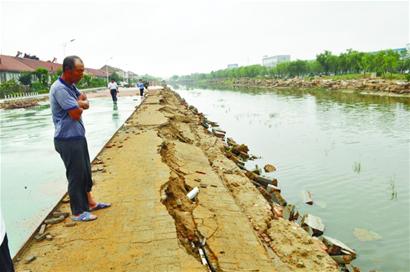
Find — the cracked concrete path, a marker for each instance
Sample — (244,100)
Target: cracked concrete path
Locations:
(145,171)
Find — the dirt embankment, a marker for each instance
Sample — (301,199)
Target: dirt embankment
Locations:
(146,171)
(369,86)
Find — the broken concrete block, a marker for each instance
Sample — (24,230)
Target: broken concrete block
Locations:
(277,210)
(204,124)
(251,175)
(290,213)
(42,229)
(244,155)
(335,247)
(278,198)
(70,224)
(40,237)
(307,198)
(231,142)
(263,181)
(54,220)
(342,259)
(218,134)
(270,188)
(315,223)
(58,214)
(269,168)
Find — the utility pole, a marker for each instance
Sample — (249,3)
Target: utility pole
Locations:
(65,45)
(106,68)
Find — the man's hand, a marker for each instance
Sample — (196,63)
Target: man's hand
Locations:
(83,101)
(82,97)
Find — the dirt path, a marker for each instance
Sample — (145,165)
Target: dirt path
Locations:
(146,170)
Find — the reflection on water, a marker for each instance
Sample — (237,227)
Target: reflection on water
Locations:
(350,151)
(32,173)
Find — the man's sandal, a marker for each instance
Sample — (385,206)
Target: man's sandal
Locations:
(84,217)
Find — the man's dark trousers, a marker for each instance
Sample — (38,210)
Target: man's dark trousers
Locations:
(114,95)
(6,264)
(74,153)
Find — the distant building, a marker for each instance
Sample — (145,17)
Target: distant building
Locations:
(233,65)
(12,67)
(274,60)
(126,75)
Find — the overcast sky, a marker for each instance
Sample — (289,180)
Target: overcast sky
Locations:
(168,37)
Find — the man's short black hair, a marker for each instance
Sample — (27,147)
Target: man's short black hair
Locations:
(68,63)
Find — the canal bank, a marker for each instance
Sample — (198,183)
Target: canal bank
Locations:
(159,155)
(349,150)
(368,86)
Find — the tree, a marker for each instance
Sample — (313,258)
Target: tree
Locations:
(42,76)
(25,78)
(325,61)
(114,76)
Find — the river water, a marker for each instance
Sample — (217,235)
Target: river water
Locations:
(350,151)
(32,173)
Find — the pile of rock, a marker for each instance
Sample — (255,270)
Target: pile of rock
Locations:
(17,104)
(377,84)
(268,187)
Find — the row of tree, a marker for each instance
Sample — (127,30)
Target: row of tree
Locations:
(326,63)
(40,81)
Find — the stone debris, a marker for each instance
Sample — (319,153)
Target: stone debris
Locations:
(42,229)
(49,237)
(40,237)
(257,170)
(57,214)
(269,168)
(270,188)
(278,198)
(70,224)
(313,224)
(290,213)
(54,220)
(340,252)
(307,197)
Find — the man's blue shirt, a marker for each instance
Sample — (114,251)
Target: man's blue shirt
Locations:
(63,97)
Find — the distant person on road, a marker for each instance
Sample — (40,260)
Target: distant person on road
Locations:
(6,263)
(113,87)
(140,86)
(67,106)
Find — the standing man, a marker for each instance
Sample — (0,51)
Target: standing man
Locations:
(113,87)
(67,105)
(6,263)
(140,86)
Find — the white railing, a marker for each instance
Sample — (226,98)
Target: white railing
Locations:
(19,96)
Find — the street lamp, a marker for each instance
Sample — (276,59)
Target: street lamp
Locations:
(65,45)
(106,68)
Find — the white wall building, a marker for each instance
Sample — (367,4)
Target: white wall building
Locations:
(274,60)
(233,65)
